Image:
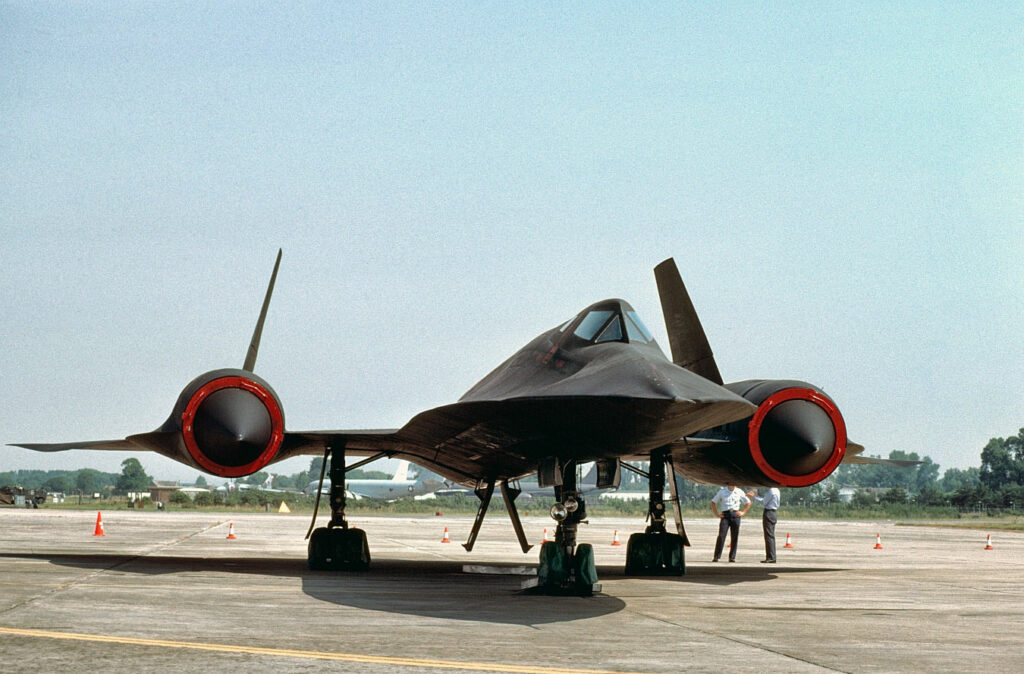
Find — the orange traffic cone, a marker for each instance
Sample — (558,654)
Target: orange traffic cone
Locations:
(99,525)
(615,538)
(231,531)
(878,541)
(444,538)
(988,542)
(545,539)
(788,543)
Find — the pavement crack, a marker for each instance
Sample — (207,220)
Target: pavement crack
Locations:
(410,546)
(61,587)
(958,586)
(742,642)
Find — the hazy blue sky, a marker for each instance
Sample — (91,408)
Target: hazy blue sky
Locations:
(841,184)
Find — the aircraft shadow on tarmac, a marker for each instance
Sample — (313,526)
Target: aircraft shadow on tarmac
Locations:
(436,589)
(425,588)
(735,574)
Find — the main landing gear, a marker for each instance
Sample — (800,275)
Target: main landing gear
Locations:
(336,547)
(565,567)
(656,552)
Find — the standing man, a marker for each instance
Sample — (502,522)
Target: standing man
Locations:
(770,502)
(726,506)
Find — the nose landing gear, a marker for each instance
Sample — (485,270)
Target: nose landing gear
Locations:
(565,567)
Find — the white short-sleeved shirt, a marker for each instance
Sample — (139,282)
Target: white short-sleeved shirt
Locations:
(730,500)
(770,500)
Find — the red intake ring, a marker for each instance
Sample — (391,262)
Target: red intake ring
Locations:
(276,420)
(838,452)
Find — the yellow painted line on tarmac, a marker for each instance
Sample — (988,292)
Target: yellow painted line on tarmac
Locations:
(289,653)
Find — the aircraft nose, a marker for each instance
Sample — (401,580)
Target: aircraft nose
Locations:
(797,437)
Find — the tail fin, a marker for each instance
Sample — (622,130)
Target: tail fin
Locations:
(401,473)
(689,344)
(254,345)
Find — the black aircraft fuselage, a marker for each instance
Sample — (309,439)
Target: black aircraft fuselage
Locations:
(597,387)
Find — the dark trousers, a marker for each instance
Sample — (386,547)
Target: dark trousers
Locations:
(730,522)
(768,520)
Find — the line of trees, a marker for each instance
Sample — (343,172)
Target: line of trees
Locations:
(86,481)
(133,478)
(998,482)
(1000,476)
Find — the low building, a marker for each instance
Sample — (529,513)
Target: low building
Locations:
(161,491)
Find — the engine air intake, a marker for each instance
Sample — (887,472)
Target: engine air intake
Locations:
(797,437)
(232,426)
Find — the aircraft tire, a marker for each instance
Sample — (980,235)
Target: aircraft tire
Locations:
(655,554)
(318,551)
(338,550)
(355,550)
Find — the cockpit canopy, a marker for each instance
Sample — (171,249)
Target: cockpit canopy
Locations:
(609,321)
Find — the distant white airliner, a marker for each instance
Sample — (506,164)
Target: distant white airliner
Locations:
(398,486)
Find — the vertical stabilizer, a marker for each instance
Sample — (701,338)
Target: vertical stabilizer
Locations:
(689,344)
(254,345)
(401,473)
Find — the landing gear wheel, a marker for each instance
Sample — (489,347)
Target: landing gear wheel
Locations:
(560,574)
(338,550)
(655,554)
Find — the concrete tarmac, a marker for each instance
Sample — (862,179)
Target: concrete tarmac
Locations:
(169,592)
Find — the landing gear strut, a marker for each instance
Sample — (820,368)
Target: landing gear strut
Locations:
(336,547)
(565,567)
(656,552)
(484,491)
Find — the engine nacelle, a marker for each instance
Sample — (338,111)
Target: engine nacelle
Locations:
(230,421)
(796,438)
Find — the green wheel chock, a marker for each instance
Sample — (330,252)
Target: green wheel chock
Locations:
(554,565)
(586,570)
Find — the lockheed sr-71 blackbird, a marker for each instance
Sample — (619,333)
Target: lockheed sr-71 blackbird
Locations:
(597,388)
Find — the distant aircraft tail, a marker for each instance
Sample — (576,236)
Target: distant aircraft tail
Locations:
(402,472)
(689,344)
